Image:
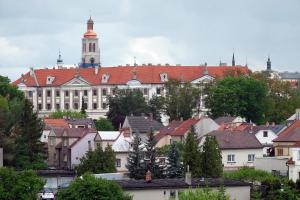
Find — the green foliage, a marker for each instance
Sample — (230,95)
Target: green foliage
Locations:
(126,102)
(164,150)
(211,159)
(192,155)
(202,194)
(249,174)
(245,97)
(181,99)
(156,105)
(174,168)
(70,114)
(88,187)
(97,161)
(19,185)
(135,161)
(83,107)
(103,124)
(255,194)
(30,152)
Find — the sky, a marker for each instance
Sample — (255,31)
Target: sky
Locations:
(186,32)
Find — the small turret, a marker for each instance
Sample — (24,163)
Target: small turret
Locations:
(269,68)
(59,61)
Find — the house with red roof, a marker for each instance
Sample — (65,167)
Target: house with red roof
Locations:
(177,131)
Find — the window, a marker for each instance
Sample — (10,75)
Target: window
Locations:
(104,105)
(65,142)
(85,105)
(30,93)
(118,162)
(85,92)
(265,133)
(95,92)
(57,93)
(40,106)
(45,136)
(173,194)
(48,93)
(67,93)
(298,156)
(76,106)
(76,93)
(145,91)
(65,158)
(279,152)
(48,106)
(57,106)
(231,158)
(67,106)
(90,47)
(90,145)
(54,156)
(94,47)
(158,91)
(251,157)
(95,105)
(83,47)
(104,92)
(40,93)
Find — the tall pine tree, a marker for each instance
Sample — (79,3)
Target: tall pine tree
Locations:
(151,160)
(30,152)
(191,154)
(135,160)
(211,159)
(174,168)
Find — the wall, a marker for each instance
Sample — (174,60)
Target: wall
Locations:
(123,156)
(44,137)
(81,147)
(235,193)
(294,170)
(205,126)
(265,140)
(285,146)
(241,157)
(271,163)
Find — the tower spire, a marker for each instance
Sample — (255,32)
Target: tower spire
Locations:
(269,67)
(59,60)
(233,60)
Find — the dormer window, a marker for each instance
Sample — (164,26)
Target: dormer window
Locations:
(49,80)
(105,78)
(164,77)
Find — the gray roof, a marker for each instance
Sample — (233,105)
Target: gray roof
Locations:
(143,124)
(290,75)
(132,184)
(224,119)
(275,128)
(83,122)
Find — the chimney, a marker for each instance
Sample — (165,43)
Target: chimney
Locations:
(273,124)
(148,177)
(188,176)
(267,124)
(96,69)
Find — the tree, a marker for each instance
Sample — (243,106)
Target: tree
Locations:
(89,187)
(83,107)
(103,124)
(135,160)
(156,105)
(30,152)
(174,168)
(97,161)
(191,154)
(19,185)
(211,159)
(237,96)
(151,160)
(69,114)
(202,194)
(125,102)
(181,99)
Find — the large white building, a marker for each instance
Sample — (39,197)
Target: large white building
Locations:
(90,85)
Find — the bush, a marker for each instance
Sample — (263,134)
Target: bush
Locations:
(202,194)
(248,174)
(71,114)
(88,187)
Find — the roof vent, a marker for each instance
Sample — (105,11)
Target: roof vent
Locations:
(149,64)
(167,64)
(143,64)
(127,65)
(105,78)
(158,64)
(164,77)
(49,80)
(178,64)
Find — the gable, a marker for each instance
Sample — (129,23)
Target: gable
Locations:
(205,78)
(77,81)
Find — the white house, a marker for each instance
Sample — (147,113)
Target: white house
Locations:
(294,163)
(238,148)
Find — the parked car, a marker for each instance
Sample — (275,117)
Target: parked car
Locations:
(46,194)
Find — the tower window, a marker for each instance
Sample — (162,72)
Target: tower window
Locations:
(90,47)
(83,47)
(94,47)
(92,60)
(66,93)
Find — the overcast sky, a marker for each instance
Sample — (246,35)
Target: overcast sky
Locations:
(189,32)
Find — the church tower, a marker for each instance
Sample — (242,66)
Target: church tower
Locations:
(90,49)
(269,68)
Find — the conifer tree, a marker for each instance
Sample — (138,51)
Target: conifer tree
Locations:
(135,160)
(174,168)
(30,152)
(211,158)
(191,154)
(109,160)
(83,108)
(151,157)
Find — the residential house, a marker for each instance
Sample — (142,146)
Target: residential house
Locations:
(229,122)
(266,134)
(105,138)
(81,123)
(295,116)
(178,130)
(294,162)
(287,139)
(1,157)
(141,125)
(50,124)
(238,148)
(60,141)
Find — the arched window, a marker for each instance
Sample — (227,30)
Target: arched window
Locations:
(92,60)
(83,47)
(94,47)
(90,47)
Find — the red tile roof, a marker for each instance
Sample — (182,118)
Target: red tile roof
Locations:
(290,134)
(166,130)
(122,74)
(184,127)
(56,123)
